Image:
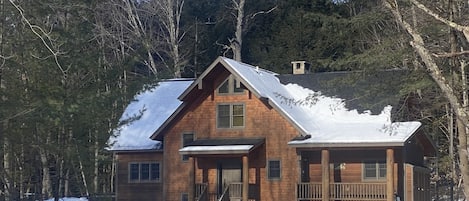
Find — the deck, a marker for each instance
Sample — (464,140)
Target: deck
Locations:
(307,192)
(342,191)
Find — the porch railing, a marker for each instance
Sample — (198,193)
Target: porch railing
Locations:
(309,191)
(201,193)
(343,191)
(236,191)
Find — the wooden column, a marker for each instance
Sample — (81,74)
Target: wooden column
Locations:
(245,177)
(191,192)
(325,174)
(390,174)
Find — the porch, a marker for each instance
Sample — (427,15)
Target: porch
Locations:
(345,177)
(232,192)
(342,191)
(220,169)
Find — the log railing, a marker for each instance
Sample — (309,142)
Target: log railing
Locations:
(343,191)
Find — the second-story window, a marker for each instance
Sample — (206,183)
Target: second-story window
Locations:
(230,115)
(230,86)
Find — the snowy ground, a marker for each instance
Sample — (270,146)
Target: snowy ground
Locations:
(70,199)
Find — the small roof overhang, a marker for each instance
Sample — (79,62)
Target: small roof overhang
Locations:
(221,146)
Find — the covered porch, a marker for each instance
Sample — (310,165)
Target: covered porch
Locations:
(220,169)
(344,175)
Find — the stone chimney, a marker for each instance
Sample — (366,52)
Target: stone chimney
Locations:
(300,67)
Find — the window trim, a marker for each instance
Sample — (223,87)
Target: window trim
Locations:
(185,158)
(140,180)
(184,196)
(230,116)
(376,168)
(269,176)
(231,87)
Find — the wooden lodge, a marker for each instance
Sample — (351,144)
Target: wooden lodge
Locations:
(239,132)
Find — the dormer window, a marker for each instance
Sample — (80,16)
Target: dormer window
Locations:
(230,86)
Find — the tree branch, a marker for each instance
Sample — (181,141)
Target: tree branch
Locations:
(35,29)
(453,54)
(463,29)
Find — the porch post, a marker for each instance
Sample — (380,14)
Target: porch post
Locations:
(390,174)
(325,174)
(191,192)
(245,177)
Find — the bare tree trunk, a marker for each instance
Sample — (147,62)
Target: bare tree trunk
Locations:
(82,172)
(461,114)
(67,183)
(6,170)
(169,16)
(96,164)
(237,44)
(46,180)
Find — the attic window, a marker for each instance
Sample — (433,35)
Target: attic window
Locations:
(230,86)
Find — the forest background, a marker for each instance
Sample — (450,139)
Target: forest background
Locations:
(69,68)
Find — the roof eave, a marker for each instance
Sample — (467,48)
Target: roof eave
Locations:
(346,145)
(199,80)
(136,150)
(157,134)
(215,152)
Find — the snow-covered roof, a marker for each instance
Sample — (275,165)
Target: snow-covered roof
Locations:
(322,120)
(325,119)
(152,107)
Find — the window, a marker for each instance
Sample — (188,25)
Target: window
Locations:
(186,139)
(184,197)
(230,115)
(230,86)
(273,169)
(144,172)
(374,170)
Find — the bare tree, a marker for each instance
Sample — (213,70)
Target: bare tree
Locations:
(169,13)
(241,26)
(154,25)
(458,104)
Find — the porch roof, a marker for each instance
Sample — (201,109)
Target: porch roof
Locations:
(221,146)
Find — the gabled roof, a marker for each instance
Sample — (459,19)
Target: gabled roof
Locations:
(324,118)
(149,110)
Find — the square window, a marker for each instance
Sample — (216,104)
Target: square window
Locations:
(230,115)
(374,170)
(274,169)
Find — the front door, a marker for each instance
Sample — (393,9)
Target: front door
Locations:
(229,171)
